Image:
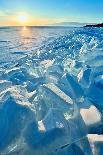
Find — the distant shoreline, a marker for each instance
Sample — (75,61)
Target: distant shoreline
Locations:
(95,25)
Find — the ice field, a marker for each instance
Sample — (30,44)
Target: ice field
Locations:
(51,91)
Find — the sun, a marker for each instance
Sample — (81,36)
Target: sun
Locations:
(22,18)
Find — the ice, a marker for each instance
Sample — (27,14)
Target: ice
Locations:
(93,43)
(74,68)
(61,94)
(85,79)
(96,142)
(95,94)
(14,116)
(77,89)
(99,81)
(51,91)
(59,101)
(89,117)
(47,63)
(83,49)
(4,85)
(80,147)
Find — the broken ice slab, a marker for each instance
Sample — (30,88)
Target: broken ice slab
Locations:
(93,43)
(50,99)
(31,86)
(50,96)
(95,53)
(96,72)
(70,86)
(95,62)
(54,120)
(33,69)
(64,86)
(54,132)
(18,78)
(74,68)
(4,84)
(77,127)
(73,125)
(85,80)
(92,58)
(47,63)
(69,63)
(99,81)
(75,86)
(83,49)
(89,118)
(87,111)
(54,74)
(36,71)
(58,92)
(56,69)
(15,114)
(70,67)
(17,75)
(87,48)
(96,143)
(39,70)
(79,147)
(95,94)
(44,141)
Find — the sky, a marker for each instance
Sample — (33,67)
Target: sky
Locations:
(46,12)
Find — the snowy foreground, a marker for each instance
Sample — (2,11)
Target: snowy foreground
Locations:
(51,91)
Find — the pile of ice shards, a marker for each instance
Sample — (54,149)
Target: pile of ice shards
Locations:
(53,108)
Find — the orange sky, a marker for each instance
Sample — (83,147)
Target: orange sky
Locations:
(31,21)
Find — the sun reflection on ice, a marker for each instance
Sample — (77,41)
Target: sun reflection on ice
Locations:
(25,31)
(24,28)
(25,35)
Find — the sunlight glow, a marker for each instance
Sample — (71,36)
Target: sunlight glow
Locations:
(22,18)
(24,28)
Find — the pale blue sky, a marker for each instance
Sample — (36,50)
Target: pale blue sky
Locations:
(53,10)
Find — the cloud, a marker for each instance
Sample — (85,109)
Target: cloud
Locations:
(2,14)
(5,13)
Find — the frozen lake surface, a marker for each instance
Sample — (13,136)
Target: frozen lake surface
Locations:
(51,91)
